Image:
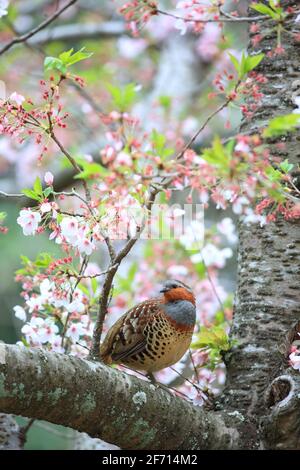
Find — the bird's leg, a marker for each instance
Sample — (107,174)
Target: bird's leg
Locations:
(153,380)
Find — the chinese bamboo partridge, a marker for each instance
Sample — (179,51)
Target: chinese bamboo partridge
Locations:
(155,333)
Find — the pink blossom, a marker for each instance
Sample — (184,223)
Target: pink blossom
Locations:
(49,178)
(295,360)
(40,331)
(35,303)
(241,146)
(29,221)
(17,98)
(124,158)
(207,45)
(69,229)
(75,331)
(85,246)
(56,346)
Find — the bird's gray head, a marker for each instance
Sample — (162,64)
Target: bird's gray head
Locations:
(174,284)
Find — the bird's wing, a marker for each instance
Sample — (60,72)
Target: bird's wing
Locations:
(126,337)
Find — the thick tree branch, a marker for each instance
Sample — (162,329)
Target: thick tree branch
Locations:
(77,32)
(105,403)
(10,433)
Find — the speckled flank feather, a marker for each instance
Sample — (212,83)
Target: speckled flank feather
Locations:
(147,338)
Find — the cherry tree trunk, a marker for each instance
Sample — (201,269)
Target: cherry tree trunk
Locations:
(267,302)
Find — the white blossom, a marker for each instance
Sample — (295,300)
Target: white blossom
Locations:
(19,99)
(45,207)
(3,7)
(227,228)
(75,331)
(20,313)
(69,229)
(29,221)
(212,256)
(295,360)
(85,246)
(49,178)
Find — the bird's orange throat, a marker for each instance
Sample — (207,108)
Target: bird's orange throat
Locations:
(179,294)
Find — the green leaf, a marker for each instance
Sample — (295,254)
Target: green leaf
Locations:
(273,174)
(218,154)
(264,9)
(252,61)
(235,62)
(123,97)
(94,284)
(281,125)
(285,166)
(65,60)
(52,63)
(247,63)
(165,101)
(214,337)
(38,188)
(68,58)
(2,216)
(90,170)
(158,142)
(31,194)
(48,191)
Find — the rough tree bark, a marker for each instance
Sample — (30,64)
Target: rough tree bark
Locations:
(106,403)
(260,406)
(267,304)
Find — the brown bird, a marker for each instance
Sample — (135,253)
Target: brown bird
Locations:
(155,333)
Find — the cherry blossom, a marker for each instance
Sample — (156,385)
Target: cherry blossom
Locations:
(29,221)
(16,97)
(40,331)
(48,178)
(3,7)
(45,207)
(20,313)
(85,246)
(75,306)
(177,270)
(75,331)
(227,228)
(69,229)
(295,360)
(212,256)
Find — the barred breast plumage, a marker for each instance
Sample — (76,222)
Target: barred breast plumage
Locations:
(154,334)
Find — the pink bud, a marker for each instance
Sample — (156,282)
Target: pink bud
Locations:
(48,178)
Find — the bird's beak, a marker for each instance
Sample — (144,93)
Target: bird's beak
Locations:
(164,289)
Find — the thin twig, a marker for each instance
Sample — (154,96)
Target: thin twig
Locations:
(4,194)
(108,281)
(24,37)
(228,18)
